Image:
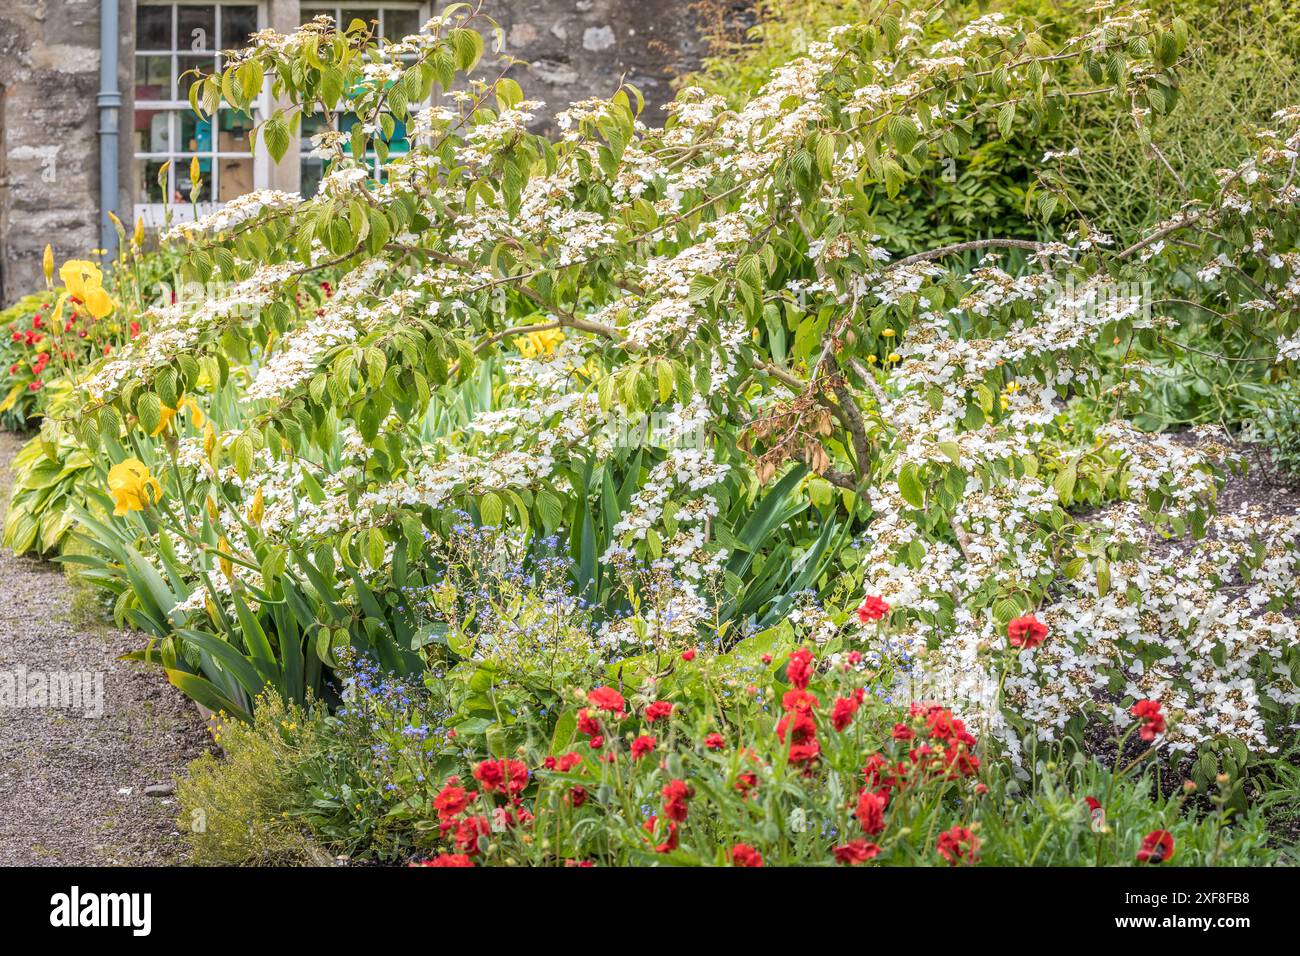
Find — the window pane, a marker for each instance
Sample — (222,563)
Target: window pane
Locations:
(152,131)
(196,134)
(153,28)
(312,171)
(400,23)
(181,175)
(236,178)
(185,65)
(308,14)
(153,77)
(196,28)
(365,14)
(233,127)
(145,172)
(237,23)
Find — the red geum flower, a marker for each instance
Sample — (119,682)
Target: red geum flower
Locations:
(566,762)
(577,796)
(903,732)
(742,854)
(856,851)
(596,742)
(799,669)
(1026,632)
(658,710)
(587,723)
(688,654)
(799,723)
(958,845)
(1153,722)
(669,842)
(642,746)
(606,698)
(504,775)
(715,741)
(746,782)
(844,708)
(451,801)
(1157,847)
(871,811)
(468,832)
(873,609)
(447,859)
(676,793)
(804,753)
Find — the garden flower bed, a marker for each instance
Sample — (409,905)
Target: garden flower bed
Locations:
(641,496)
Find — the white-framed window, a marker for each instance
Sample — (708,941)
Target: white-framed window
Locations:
(171,40)
(394,21)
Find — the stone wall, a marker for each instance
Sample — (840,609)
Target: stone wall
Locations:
(578,49)
(49,146)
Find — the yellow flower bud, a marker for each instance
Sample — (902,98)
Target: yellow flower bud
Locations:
(48,264)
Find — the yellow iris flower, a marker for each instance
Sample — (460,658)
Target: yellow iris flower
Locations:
(132,487)
(196,415)
(532,344)
(85,282)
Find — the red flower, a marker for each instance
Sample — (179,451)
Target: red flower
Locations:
(1026,632)
(871,811)
(903,732)
(676,793)
(1153,722)
(1157,846)
(468,832)
(657,710)
(447,859)
(958,844)
(715,741)
(688,654)
(596,742)
(606,698)
(742,854)
(577,796)
(587,723)
(844,709)
(670,841)
(799,670)
(494,775)
(804,753)
(746,782)
(856,851)
(642,746)
(451,801)
(799,723)
(872,609)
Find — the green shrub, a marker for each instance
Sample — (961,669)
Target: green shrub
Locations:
(238,809)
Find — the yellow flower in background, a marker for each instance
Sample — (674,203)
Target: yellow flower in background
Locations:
(137,238)
(256,510)
(85,282)
(196,415)
(132,487)
(48,264)
(532,344)
(194,170)
(227,566)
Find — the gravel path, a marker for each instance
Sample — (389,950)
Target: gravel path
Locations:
(72,787)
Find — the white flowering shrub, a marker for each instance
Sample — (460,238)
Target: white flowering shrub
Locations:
(506,312)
